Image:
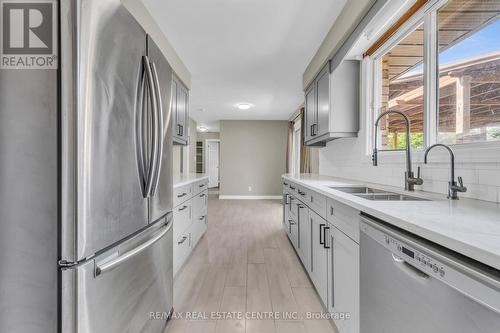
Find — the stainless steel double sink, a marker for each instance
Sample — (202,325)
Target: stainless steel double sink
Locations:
(375,194)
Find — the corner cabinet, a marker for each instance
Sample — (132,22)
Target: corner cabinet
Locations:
(180,112)
(332,104)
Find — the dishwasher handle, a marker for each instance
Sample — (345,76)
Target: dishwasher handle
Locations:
(409,269)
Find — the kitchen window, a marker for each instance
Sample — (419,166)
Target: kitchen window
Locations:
(441,67)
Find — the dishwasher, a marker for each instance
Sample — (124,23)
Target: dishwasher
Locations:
(411,285)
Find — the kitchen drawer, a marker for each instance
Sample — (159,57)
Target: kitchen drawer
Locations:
(182,218)
(200,203)
(344,218)
(182,249)
(293,187)
(200,186)
(316,202)
(182,193)
(302,195)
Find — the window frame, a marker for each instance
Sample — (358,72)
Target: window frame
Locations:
(371,92)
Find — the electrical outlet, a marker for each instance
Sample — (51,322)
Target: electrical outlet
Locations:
(249,188)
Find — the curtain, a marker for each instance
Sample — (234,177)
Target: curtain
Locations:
(305,152)
(289,148)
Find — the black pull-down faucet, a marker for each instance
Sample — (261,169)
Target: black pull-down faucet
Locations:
(410,180)
(453,188)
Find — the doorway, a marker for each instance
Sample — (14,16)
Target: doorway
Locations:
(212,160)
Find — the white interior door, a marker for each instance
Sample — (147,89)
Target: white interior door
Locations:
(213,163)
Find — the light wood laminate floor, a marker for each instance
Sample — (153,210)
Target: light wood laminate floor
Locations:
(245,263)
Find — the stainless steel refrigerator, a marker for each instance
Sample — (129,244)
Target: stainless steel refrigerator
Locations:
(86,179)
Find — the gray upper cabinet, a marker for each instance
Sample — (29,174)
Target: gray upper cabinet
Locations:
(332,104)
(322,84)
(180,112)
(310,116)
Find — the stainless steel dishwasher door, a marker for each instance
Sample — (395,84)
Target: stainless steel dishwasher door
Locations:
(396,297)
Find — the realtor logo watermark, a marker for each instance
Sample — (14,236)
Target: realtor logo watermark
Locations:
(28,34)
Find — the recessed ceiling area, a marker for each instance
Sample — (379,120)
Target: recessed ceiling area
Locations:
(245,52)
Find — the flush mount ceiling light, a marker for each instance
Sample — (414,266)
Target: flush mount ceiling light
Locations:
(244,106)
(202,129)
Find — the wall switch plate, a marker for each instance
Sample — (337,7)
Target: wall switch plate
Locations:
(249,188)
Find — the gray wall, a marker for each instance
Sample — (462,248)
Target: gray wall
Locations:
(252,153)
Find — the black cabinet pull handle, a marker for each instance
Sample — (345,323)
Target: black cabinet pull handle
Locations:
(181,195)
(293,188)
(183,207)
(325,245)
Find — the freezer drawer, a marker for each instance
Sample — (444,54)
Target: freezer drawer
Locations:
(121,288)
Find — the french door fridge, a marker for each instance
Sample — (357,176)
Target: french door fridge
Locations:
(86,194)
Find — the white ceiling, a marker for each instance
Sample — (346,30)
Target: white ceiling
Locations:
(251,51)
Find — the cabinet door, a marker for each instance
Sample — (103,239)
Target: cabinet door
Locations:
(304,236)
(310,112)
(175,109)
(319,256)
(183,114)
(285,210)
(343,282)
(323,101)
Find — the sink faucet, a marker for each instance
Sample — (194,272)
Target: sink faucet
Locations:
(453,188)
(410,180)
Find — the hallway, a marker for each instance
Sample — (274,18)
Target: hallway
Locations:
(245,263)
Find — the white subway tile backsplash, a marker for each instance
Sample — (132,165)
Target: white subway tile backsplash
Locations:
(481,179)
(489,177)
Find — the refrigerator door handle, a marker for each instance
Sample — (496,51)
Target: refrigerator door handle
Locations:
(139,135)
(107,265)
(154,125)
(159,112)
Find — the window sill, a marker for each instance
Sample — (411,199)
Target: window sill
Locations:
(486,152)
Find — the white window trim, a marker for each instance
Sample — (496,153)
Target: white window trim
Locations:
(480,152)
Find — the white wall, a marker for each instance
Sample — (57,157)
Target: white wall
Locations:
(479,167)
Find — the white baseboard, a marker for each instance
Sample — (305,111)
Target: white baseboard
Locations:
(250,197)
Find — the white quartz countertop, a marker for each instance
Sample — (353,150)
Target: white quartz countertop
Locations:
(181,179)
(470,227)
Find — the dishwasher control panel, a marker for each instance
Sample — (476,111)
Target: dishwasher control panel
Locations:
(420,260)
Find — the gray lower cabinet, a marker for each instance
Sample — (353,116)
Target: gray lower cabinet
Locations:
(304,235)
(190,219)
(325,235)
(180,112)
(319,257)
(332,104)
(343,281)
